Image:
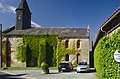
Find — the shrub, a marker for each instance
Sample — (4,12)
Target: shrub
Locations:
(44,66)
(106,66)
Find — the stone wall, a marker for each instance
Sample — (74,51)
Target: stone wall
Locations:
(14,42)
(84,49)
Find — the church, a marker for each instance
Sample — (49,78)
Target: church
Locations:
(79,37)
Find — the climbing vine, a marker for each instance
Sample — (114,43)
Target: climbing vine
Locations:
(40,47)
(62,51)
(43,48)
(4,53)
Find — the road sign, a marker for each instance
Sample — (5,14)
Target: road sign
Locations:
(117,56)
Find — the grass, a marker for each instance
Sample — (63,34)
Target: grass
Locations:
(28,68)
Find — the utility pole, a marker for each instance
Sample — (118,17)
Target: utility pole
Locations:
(0,45)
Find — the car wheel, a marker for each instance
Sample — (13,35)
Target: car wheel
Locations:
(59,71)
(77,72)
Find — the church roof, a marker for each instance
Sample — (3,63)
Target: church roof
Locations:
(64,32)
(23,5)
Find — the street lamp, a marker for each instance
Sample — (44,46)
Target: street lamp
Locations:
(0,45)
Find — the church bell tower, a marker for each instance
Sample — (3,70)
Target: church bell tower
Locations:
(23,16)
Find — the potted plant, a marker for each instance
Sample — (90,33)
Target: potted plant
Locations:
(45,68)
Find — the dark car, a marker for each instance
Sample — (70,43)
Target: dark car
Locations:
(65,66)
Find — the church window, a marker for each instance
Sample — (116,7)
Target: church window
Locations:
(78,43)
(66,43)
(19,17)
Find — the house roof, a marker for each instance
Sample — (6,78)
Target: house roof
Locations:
(64,32)
(110,24)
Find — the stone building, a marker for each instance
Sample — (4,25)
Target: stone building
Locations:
(78,36)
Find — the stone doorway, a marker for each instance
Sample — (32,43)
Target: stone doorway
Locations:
(66,57)
(78,55)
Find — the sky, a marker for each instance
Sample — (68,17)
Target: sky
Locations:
(61,13)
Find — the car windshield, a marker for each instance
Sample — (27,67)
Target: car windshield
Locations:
(65,64)
(82,63)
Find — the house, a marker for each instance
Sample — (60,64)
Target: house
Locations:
(78,36)
(108,27)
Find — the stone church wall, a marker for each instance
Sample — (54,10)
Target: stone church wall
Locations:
(14,42)
(84,49)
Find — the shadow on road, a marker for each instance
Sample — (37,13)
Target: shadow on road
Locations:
(54,73)
(9,76)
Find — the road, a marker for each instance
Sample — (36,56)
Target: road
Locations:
(10,76)
(36,74)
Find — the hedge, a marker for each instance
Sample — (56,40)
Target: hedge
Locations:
(106,66)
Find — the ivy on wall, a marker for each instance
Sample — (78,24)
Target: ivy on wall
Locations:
(106,66)
(62,51)
(39,47)
(4,53)
(43,48)
(21,55)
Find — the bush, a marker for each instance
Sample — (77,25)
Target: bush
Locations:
(44,66)
(106,66)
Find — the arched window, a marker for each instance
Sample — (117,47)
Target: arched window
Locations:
(66,43)
(78,43)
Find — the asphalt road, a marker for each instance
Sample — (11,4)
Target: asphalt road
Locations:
(10,76)
(36,74)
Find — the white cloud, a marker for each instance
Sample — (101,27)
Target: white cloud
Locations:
(6,8)
(35,24)
(11,9)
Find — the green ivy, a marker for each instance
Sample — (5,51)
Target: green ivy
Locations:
(42,47)
(4,53)
(45,48)
(106,66)
(62,51)
(21,55)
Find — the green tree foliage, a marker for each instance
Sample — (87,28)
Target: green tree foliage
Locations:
(106,66)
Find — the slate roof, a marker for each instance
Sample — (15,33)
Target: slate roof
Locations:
(64,32)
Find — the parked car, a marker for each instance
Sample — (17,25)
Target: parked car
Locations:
(82,66)
(65,66)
